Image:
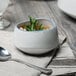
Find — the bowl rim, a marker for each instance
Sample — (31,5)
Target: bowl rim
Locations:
(53,23)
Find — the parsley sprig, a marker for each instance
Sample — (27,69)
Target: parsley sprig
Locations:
(34,25)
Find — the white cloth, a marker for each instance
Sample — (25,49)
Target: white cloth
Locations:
(16,69)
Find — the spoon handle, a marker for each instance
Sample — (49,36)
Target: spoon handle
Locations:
(65,39)
(56,51)
(42,70)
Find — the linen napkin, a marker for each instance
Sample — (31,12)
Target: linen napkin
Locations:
(65,63)
(12,68)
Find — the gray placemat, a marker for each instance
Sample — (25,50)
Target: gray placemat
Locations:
(16,69)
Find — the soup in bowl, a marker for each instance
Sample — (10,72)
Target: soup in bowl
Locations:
(39,41)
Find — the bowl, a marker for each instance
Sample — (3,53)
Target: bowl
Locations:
(37,42)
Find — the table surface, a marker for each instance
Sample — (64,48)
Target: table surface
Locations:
(19,10)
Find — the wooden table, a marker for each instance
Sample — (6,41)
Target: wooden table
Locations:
(19,11)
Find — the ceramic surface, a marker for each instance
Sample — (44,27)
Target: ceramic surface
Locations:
(37,42)
(68,6)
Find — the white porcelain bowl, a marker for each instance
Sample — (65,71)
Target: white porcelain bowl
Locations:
(37,42)
(68,6)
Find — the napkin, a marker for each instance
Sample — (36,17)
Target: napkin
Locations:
(11,68)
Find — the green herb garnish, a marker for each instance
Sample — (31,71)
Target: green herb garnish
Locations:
(34,25)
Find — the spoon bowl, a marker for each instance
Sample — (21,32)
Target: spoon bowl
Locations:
(4,54)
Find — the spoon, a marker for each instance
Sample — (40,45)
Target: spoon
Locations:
(6,56)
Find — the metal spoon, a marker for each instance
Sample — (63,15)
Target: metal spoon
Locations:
(6,56)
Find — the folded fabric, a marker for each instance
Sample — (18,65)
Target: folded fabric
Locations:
(12,68)
(64,62)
